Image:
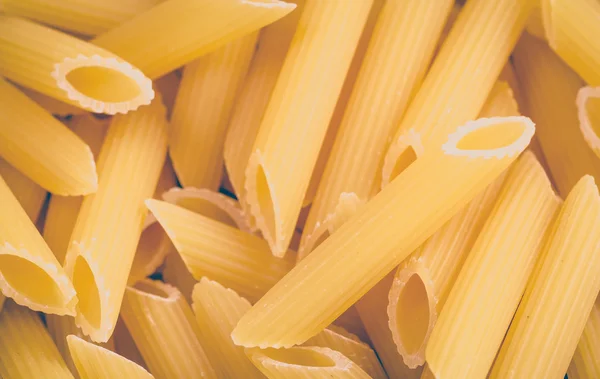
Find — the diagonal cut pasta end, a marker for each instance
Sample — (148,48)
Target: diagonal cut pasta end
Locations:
(588,111)
(270,4)
(405,150)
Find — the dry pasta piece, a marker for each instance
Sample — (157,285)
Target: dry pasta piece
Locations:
(41,147)
(30,195)
(202,110)
(176,32)
(26,349)
(110,222)
(95,362)
(394,66)
(237,259)
(305,362)
(560,294)
(588,107)
(586,360)
(549,92)
(572,30)
(69,69)
(164,329)
(481,303)
(295,121)
(383,233)
(50,104)
(218,309)
(535,22)
(461,76)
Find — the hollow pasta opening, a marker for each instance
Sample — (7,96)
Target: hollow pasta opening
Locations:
(592,109)
(412,314)
(405,159)
(265,202)
(492,136)
(299,357)
(30,281)
(103,84)
(153,288)
(89,304)
(147,249)
(206,208)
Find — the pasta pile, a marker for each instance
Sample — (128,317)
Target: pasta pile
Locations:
(299,189)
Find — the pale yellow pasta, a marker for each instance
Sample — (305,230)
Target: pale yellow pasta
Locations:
(304,362)
(202,109)
(295,121)
(586,360)
(400,51)
(560,294)
(218,309)
(535,22)
(41,147)
(176,32)
(52,105)
(95,362)
(482,301)
(461,76)
(384,232)
(87,17)
(30,195)
(237,259)
(165,331)
(69,69)
(124,344)
(572,30)
(26,349)
(110,222)
(168,86)
(549,90)
(588,110)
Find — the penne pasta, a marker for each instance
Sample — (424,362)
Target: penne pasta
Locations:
(31,139)
(549,91)
(295,121)
(404,29)
(473,55)
(30,195)
(50,104)
(26,349)
(588,110)
(586,360)
(560,294)
(176,32)
(572,30)
(237,259)
(163,327)
(95,362)
(481,303)
(305,362)
(217,310)
(535,23)
(109,224)
(201,114)
(68,69)
(383,233)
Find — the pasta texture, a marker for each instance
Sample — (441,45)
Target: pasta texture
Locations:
(176,32)
(572,30)
(472,56)
(218,309)
(482,302)
(396,61)
(305,362)
(560,294)
(70,70)
(42,148)
(204,101)
(383,233)
(30,195)
(295,121)
(588,107)
(52,105)
(95,362)
(26,349)
(110,222)
(586,360)
(164,329)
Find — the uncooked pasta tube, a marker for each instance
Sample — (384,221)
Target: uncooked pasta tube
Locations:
(586,360)
(588,110)
(30,195)
(50,104)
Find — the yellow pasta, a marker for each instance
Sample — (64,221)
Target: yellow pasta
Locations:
(394,66)
(69,69)
(560,294)
(168,86)
(549,91)
(295,121)
(588,110)
(95,362)
(472,56)
(218,309)
(535,23)
(572,30)
(305,362)
(52,105)
(482,301)
(176,32)
(109,224)
(383,233)
(164,329)
(26,349)
(87,17)
(30,195)
(237,259)
(202,109)
(586,360)
(41,147)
